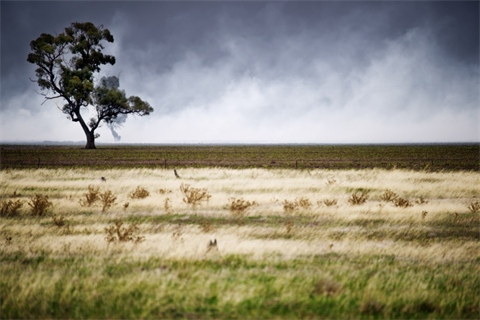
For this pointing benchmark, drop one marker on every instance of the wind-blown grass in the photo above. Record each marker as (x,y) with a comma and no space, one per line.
(341,261)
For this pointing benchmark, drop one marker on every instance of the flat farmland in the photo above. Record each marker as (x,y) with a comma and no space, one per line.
(433,157)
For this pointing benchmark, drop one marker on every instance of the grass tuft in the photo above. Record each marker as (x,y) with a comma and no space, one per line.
(194,196)
(402,203)
(117,233)
(139,193)
(39,204)
(474,207)
(389,195)
(357,199)
(108,200)
(239,206)
(91,197)
(10,208)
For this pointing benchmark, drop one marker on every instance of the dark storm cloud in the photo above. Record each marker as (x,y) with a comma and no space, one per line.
(258,61)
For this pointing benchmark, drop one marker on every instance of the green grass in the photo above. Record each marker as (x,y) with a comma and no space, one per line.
(238,287)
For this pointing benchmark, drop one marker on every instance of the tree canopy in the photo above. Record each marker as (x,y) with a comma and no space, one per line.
(67,64)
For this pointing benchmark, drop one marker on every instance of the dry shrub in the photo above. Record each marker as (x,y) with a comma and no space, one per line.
(177,236)
(194,196)
(125,206)
(59,221)
(357,199)
(164,191)
(474,207)
(389,195)
(108,199)
(39,204)
(166,205)
(327,202)
(327,287)
(402,203)
(289,226)
(289,206)
(303,202)
(91,196)
(207,226)
(10,208)
(421,200)
(117,233)
(139,193)
(239,206)
(424,214)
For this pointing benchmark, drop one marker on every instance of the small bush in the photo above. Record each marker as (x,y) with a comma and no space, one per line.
(239,206)
(327,202)
(91,197)
(139,193)
(289,226)
(357,199)
(117,233)
(474,207)
(303,202)
(389,195)
(421,200)
(289,206)
(166,205)
(194,196)
(108,199)
(59,221)
(39,204)
(207,226)
(402,203)
(10,208)
(165,191)
(125,205)
(424,214)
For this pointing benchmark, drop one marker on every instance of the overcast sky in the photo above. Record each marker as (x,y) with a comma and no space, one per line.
(262,72)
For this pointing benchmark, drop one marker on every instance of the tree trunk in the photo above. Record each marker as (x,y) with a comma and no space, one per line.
(90,141)
(89,133)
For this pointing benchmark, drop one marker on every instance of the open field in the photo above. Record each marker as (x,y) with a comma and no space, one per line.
(432,157)
(288,255)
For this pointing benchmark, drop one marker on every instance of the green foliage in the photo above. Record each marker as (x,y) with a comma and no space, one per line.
(72,78)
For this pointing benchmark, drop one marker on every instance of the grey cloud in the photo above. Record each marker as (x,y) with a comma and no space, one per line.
(271,66)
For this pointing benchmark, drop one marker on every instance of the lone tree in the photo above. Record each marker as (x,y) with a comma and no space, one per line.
(66,66)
